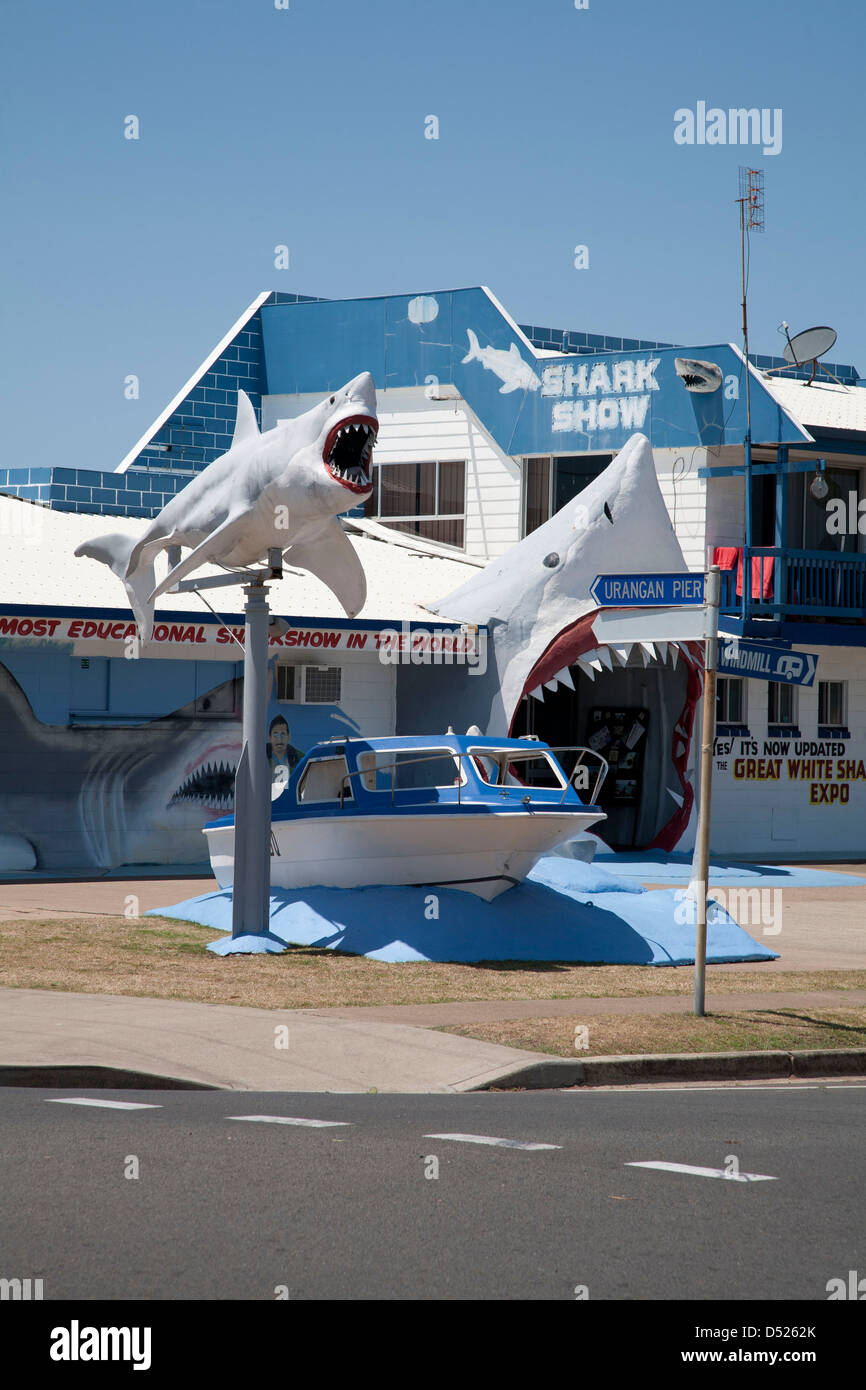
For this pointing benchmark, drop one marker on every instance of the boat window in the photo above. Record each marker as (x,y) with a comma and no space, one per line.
(322,779)
(504,766)
(410,769)
(487,768)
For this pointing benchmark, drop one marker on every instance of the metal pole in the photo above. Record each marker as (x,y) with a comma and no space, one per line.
(708,730)
(252,872)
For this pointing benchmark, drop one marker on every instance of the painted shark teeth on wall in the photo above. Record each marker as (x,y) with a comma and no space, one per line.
(213,784)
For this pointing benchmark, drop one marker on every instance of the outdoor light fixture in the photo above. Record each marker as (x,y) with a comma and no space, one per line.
(819,487)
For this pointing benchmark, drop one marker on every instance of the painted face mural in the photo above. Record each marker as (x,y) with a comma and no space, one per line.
(103,795)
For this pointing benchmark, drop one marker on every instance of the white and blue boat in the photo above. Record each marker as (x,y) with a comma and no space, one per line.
(448,810)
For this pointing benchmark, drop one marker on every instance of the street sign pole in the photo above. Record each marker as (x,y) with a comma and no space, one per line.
(708,732)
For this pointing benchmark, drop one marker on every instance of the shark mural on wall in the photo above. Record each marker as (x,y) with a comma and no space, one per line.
(536,603)
(282,489)
(100,796)
(513,371)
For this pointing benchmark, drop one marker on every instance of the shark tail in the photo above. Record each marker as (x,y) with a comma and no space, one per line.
(116,551)
(474,352)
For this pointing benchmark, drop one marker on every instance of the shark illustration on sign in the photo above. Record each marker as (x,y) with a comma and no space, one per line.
(514,373)
(281,489)
(702,377)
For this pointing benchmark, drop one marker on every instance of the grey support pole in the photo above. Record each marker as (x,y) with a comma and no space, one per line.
(708,732)
(252,874)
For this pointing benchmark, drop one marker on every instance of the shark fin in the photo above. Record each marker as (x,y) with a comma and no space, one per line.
(331,557)
(508,386)
(515,352)
(213,545)
(113,550)
(132,561)
(246,426)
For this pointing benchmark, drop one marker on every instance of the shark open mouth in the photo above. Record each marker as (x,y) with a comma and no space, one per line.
(212,785)
(577,646)
(347,452)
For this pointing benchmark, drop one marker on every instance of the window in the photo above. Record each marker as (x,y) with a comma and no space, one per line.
(323,685)
(832,703)
(842,483)
(425,499)
(414,768)
(551,482)
(505,767)
(309,685)
(730,700)
(322,779)
(286,683)
(781,704)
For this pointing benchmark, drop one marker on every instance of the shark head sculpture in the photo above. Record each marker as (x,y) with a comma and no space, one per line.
(283,488)
(535,601)
(533,596)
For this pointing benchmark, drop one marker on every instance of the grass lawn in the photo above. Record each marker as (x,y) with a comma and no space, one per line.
(749,1030)
(163,958)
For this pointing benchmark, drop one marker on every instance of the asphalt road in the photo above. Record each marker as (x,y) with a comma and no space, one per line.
(228,1208)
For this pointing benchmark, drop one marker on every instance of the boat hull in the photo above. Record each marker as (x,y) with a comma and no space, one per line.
(480,854)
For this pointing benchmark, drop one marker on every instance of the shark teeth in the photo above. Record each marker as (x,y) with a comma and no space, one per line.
(212,784)
(348,457)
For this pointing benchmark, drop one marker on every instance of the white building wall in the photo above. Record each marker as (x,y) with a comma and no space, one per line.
(760,814)
(685,496)
(368,687)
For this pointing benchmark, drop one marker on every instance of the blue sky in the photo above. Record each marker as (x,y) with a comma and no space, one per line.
(305,127)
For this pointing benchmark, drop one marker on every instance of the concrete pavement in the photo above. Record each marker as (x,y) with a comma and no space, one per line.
(240,1048)
(389,1047)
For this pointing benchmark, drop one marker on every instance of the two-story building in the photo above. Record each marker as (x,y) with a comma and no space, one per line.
(487,429)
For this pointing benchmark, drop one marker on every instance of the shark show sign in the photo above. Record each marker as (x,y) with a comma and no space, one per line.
(592,396)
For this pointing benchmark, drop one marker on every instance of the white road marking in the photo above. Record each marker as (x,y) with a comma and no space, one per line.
(104,1104)
(289,1120)
(704,1172)
(488,1139)
(687,1087)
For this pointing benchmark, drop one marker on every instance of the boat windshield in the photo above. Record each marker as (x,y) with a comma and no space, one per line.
(409,769)
(322,779)
(505,766)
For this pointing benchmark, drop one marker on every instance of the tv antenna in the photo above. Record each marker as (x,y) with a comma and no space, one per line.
(805,348)
(751,203)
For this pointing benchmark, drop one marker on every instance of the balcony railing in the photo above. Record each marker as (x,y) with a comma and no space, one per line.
(797,583)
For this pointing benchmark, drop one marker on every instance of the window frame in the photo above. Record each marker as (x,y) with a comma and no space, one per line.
(379,466)
(301,669)
(842,686)
(774,690)
(724,685)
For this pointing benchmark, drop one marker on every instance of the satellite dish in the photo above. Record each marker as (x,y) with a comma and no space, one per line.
(807,346)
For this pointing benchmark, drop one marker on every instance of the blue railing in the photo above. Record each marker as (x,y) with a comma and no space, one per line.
(813,583)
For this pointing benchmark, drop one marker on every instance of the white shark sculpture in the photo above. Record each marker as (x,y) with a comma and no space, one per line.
(535,600)
(514,373)
(284,488)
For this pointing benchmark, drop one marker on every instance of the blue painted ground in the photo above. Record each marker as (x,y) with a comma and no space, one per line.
(648,866)
(565,911)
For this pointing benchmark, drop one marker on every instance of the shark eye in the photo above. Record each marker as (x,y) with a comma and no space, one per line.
(333,398)
(551,560)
